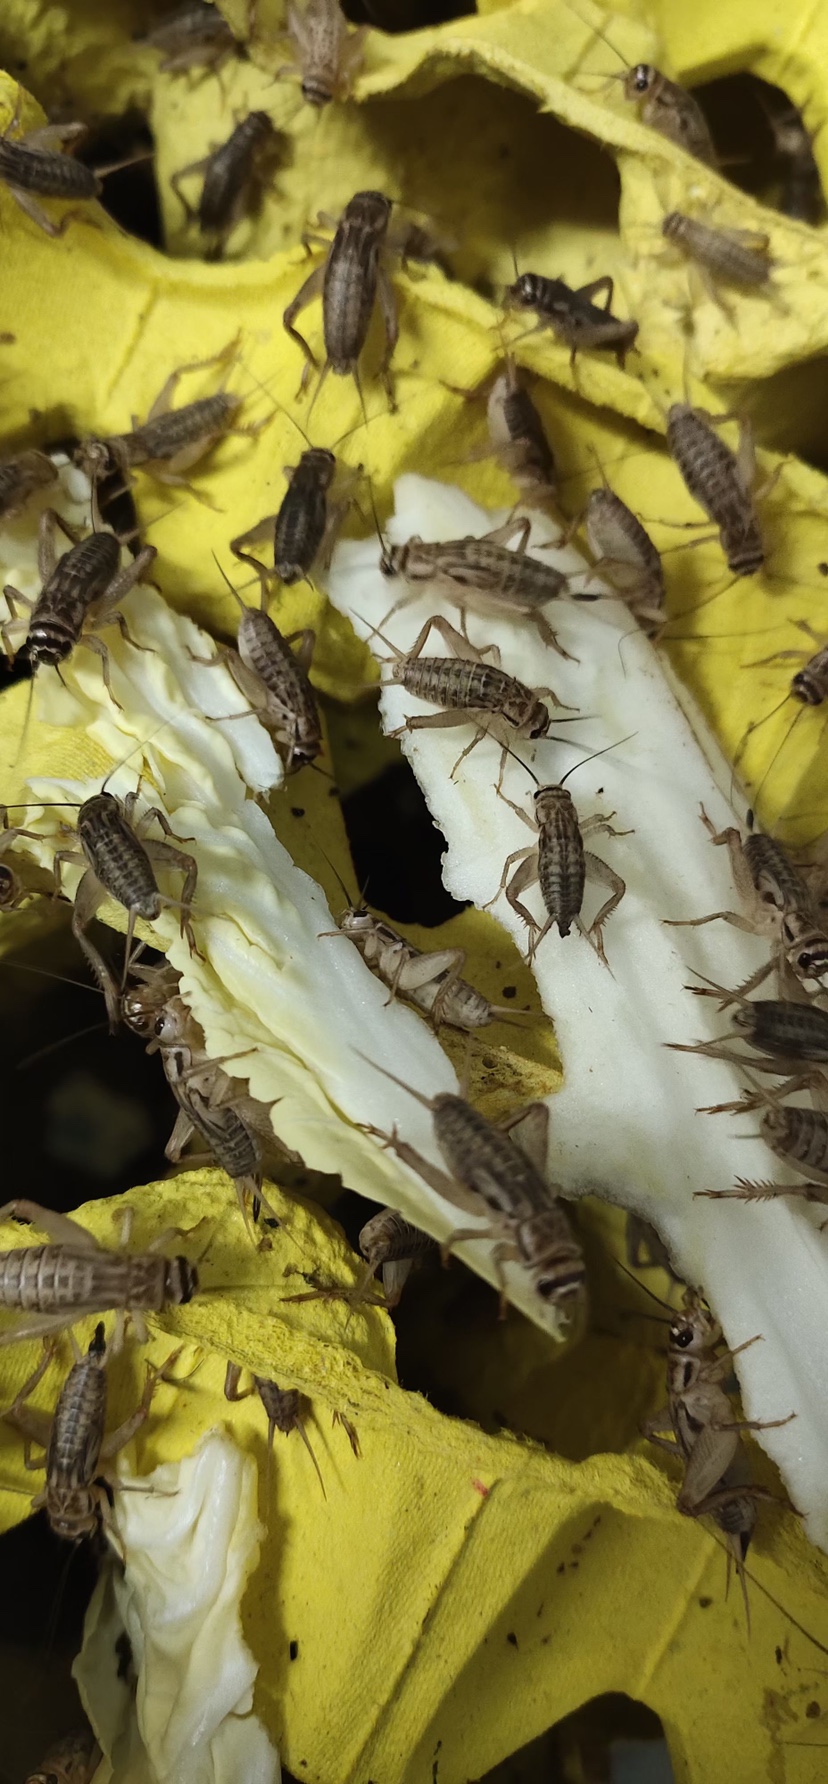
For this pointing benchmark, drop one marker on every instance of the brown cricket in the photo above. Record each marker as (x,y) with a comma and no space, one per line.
(393,1245)
(282,1406)
(194,36)
(305,528)
(74,1760)
(171,440)
(79,595)
(801,187)
(211,1103)
(75,1494)
(493,1172)
(467,689)
(73,1276)
(558,861)
(777,904)
(625,555)
(720,481)
(736,256)
(663,105)
(572,315)
(703,1430)
(808,687)
(235,174)
(35,167)
(482,574)
(274,680)
(119,864)
(349,281)
(519,440)
(19,479)
(668,108)
(430,980)
(328,54)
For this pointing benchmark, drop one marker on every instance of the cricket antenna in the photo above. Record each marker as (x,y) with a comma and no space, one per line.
(425,1100)
(647,1291)
(342,886)
(597,32)
(234,591)
(27,719)
(141,745)
(385,558)
(376,632)
(777,1605)
(777,752)
(596,754)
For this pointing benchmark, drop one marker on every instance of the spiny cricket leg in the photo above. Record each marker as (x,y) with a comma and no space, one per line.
(599,870)
(57,1227)
(183,174)
(525,876)
(312,288)
(123,1433)
(760,1097)
(89,896)
(448,1187)
(260,534)
(163,401)
(714,917)
(747,1191)
(232,1391)
(37,214)
(391,324)
(592,290)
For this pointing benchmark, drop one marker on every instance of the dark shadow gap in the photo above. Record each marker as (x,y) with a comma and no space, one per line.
(763,145)
(406,15)
(495,143)
(92,1111)
(47,1585)
(612,1739)
(130,196)
(397,850)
